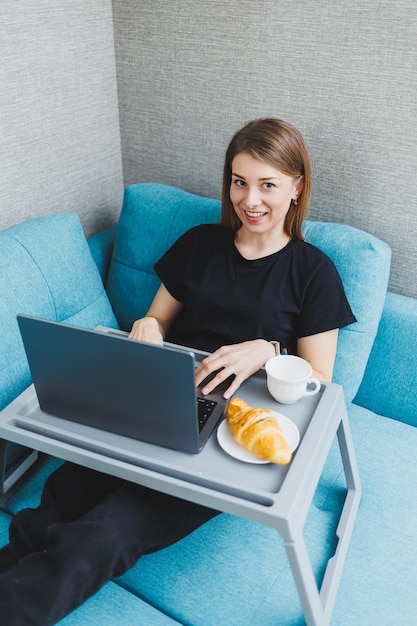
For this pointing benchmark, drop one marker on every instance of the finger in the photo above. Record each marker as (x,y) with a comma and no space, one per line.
(206,367)
(233,388)
(237,380)
(201,372)
(219,378)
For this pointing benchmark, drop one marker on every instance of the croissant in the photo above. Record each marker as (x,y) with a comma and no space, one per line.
(257,430)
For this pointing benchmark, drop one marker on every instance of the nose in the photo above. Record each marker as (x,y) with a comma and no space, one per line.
(253,198)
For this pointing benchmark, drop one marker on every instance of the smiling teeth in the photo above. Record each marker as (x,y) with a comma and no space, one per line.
(253,214)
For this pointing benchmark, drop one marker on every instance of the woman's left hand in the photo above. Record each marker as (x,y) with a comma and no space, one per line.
(241,360)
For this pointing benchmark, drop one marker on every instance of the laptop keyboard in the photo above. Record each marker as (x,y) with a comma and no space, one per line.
(205,408)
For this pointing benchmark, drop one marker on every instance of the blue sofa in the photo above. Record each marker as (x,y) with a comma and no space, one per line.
(232,571)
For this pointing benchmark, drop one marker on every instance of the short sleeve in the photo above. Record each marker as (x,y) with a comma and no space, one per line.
(325,306)
(171,268)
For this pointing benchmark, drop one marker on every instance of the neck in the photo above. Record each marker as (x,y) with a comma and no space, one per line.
(255,246)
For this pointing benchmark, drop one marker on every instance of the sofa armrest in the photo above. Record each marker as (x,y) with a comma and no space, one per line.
(389,384)
(47,271)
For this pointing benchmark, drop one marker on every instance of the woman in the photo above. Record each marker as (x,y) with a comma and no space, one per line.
(236,289)
(232,288)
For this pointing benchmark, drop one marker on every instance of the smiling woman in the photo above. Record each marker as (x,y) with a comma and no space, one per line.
(233,288)
(261,197)
(278,152)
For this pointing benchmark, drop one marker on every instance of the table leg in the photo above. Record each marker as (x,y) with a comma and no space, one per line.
(318,604)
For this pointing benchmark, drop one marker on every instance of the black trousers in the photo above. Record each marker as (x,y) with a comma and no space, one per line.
(88,528)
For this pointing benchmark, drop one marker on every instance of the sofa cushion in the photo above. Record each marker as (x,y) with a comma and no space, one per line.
(229,571)
(388,386)
(113,606)
(101,248)
(378,581)
(153,216)
(47,271)
(363,262)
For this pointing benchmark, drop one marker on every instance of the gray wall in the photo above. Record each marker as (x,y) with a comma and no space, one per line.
(191,73)
(59,126)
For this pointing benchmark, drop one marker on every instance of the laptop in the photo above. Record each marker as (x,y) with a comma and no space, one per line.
(103,379)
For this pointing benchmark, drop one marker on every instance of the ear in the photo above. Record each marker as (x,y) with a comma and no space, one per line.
(298,187)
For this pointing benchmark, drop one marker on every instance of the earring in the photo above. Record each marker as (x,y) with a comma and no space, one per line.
(295,201)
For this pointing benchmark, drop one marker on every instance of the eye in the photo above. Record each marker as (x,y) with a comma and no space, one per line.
(269,185)
(238,182)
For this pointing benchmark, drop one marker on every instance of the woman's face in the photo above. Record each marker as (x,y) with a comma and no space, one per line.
(261,195)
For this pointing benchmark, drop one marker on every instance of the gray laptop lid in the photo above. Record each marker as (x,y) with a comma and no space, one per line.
(110,382)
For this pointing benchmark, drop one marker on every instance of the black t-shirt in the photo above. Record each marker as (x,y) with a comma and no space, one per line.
(227,299)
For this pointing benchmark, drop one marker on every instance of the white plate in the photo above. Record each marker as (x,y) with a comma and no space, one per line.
(232,447)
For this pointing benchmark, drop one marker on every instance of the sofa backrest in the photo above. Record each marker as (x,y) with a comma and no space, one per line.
(389,384)
(363,262)
(154,216)
(47,271)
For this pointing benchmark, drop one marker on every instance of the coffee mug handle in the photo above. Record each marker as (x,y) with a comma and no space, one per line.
(317,385)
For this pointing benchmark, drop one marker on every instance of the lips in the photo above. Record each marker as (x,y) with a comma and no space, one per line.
(254,216)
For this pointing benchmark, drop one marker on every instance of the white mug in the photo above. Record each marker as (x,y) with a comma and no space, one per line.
(287,378)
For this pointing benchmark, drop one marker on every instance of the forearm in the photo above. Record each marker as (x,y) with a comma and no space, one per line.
(320,351)
(154,326)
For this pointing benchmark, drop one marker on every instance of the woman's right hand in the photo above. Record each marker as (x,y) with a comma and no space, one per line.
(153,327)
(147,329)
